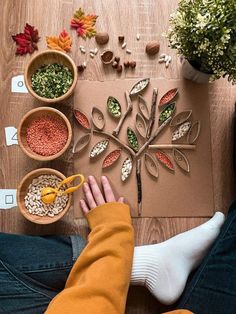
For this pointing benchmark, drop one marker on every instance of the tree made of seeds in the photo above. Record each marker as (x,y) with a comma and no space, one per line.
(144,123)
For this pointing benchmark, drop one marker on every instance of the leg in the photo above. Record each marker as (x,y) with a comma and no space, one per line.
(164,267)
(34,269)
(212,289)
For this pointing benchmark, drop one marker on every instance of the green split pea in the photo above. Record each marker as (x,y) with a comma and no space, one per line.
(52,80)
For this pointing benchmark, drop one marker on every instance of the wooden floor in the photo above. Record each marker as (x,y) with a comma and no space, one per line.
(150,19)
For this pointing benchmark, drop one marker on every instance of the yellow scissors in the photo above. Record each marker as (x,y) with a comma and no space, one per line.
(48,194)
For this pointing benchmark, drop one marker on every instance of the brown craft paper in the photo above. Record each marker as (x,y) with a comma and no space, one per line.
(175,194)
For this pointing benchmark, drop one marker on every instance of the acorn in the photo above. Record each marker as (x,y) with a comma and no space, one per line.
(152,48)
(115,64)
(117,59)
(102,38)
(132,64)
(119,68)
(126,64)
(121,38)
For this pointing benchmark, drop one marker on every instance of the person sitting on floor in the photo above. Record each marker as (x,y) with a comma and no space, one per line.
(60,274)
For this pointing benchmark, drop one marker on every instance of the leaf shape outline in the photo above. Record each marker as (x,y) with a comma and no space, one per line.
(181,160)
(194,132)
(128,162)
(181,131)
(168,111)
(98,148)
(168,97)
(111,158)
(81,143)
(113,104)
(140,125)
(143,107)
(151,165)
(98,118)
(132,139)
(82,119)
(139,86)
(180,118)
(164,160)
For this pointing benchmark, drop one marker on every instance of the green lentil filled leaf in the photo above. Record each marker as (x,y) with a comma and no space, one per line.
(52,80)
(113,107)
(166,113)
(132,139)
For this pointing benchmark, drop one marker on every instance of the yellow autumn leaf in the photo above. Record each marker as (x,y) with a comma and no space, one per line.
(61,43)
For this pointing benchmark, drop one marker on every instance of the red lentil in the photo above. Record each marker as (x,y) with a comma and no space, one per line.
(111,158)
(47,135)
(168,97)
(82,119)
(164,159)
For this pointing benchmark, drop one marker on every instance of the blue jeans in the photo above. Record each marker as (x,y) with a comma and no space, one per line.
(34,269)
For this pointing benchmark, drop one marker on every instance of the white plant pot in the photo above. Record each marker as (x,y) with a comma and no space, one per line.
(190,73)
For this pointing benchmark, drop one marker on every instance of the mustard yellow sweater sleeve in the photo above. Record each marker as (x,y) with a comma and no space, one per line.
(99,280)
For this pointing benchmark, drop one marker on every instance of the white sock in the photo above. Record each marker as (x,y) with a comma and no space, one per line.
(164,267)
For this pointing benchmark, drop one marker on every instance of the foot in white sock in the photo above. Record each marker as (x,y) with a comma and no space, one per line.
(164,267)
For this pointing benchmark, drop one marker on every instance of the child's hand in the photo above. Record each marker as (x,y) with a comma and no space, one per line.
(93,195)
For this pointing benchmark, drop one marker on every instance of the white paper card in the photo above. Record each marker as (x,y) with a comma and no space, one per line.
(18,84)
(11,135)
(7,198)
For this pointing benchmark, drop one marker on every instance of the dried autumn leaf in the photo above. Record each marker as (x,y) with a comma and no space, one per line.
(111,158)
(82,119)
(61,43)
(164,160)
(84,24)
(26,41)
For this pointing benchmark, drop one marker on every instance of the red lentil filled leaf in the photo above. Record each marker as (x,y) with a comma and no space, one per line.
(164,160)
(26,42)
(111,158)
(82,119)
(84,24)
(168,97)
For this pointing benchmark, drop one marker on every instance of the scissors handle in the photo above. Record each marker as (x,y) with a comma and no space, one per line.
(69,180)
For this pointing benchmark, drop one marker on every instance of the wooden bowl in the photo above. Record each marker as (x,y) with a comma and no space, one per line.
(23,189)
(28,118)
(48,57)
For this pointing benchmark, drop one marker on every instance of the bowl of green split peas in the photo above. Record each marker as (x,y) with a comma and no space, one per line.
(51,76)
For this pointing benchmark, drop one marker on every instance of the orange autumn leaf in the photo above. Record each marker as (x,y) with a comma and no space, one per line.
(61,43)
(84,24)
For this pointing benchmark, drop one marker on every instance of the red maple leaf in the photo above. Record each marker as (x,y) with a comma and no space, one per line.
(27,41)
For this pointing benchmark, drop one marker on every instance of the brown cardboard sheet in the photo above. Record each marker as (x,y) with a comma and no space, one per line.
(173,194)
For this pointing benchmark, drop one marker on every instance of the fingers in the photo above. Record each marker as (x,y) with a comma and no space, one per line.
(97,194)
(121,200)
(108,193)
(84,207)
(89,196)
(93,195)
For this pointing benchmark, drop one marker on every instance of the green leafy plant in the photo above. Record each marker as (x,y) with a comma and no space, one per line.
(204,32)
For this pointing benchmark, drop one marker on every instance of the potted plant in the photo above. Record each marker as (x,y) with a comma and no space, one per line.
(204,33)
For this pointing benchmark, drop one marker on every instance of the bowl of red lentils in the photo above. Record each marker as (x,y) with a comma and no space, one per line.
(51,76)
(29,196)
(44,133)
